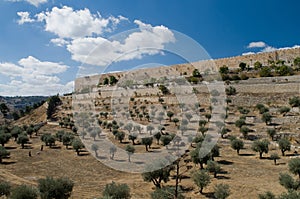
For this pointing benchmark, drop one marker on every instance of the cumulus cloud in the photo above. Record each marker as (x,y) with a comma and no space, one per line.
(24,18)
(59,42)
(147,40)
(33,77)
(68,23)
(36,3)
(266,48)
(257,44)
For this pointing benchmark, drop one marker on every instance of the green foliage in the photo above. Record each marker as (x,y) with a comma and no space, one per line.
(112,80)
(4,109)
(244,130)
(116,191)
(53,102)
(196,73)
(288,182)
(166,192)
(284,109)
(284,70)
(224,70)
(295,101)
(164,89)
(158,176)
(237,145)
(265,72)
(294,166)
(230,91)
(95,148)
(201,179)
(257,65)
(22,139)
(240,122)
(147,141)
(222,191)
(48,139)
(24,192)
(261,146)
(213,167)
(132,137)
(297,62)
(105,81)
(290,195)
(59,135)
(267,195)
(170,114)
(67,139)
(77,145)
(4,137)
(275,157)
(271,133)
(120,136)
(3,153)
(284,145)
(242,66)
(5,188)
(266,117)
(60,188)
(130,150)
(202,122)
(166,139)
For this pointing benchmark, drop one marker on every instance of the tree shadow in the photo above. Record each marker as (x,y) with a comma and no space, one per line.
(55,147)
(225,162)
(246,154)
(83,154)
(223,177)
(120,160)
(28,147)
(8,163)
(138,162)
(10,147)
(209,195)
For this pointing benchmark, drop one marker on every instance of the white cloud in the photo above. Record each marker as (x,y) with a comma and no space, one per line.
(258,44)
(148,40)
(36,3)
(269,49)
(248,53)
(33,77)
(68,23)
(24,18)
(59,42)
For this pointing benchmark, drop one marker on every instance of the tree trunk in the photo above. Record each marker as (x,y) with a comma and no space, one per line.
(275,161)
(78,151)
(238,151)
(282,152)
(260,155)
(146,147)
(177,177)
(0,159)
(201,190)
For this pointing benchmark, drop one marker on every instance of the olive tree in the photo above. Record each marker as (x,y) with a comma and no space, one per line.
(50,188)
(147,141)
(294,166)
(213,167)
(3,153)
(130,150)
(274,157)
(201,179)
(261,146)
(284,145)
(157,176)
(5,188)
(237,145)
(77,145)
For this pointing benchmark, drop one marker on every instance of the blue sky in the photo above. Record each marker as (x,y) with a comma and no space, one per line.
(45,44)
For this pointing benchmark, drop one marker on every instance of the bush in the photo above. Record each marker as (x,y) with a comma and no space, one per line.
(4,188)
(287,181)
(265,72)
(24,192)
(166,193)
(267,195)
(201,179)
(116,191)
(213,167)
(237,145)
(221,191)
(294,166)
(230,91)
(55,188)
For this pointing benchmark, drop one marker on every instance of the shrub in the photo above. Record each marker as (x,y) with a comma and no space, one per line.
(294,166)
(24,192)
(4,188)
(116,191)
(221,191)
(201,179)
(55,188)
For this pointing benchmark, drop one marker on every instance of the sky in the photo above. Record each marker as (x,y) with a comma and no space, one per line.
(46,44)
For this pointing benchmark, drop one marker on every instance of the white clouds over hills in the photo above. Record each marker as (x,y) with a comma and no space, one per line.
(32,76)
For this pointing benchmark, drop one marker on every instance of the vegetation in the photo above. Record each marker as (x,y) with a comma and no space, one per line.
(237,145)
(5,188)
(222,191)
(116,191)
(201,179)
(284,145)
(24,192)
(55,188)
(157,176)
(261,146)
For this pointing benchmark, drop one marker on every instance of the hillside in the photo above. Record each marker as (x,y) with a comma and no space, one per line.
(177,109)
